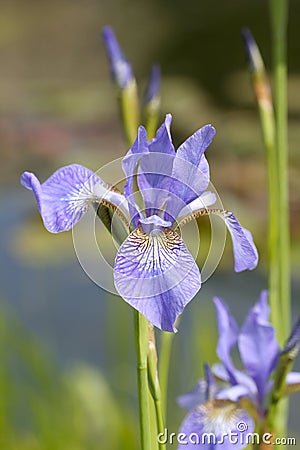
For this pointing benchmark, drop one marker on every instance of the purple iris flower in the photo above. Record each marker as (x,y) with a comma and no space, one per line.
(120,68)
(153,90)
(154,271)
(212,423)
(259,353)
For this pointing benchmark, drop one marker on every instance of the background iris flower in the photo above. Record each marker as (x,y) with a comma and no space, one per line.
(227,388)
(120,68)
(259,352)
(212,423)
(154,271)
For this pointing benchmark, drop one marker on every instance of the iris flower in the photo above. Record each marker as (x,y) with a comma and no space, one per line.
(259,352)
(227,388)
(120,67)
(154,271)
(212,423)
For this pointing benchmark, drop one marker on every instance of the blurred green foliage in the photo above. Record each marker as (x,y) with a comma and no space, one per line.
(57,106)
(57,102)
(44,409)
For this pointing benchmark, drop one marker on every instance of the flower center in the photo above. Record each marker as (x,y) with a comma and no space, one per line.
(154,225)
(219,416)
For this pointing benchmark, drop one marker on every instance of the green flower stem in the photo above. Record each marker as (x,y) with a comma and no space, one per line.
(166,340)
(131,118)
(279,13)
(144,335)
(152,113)
(154,385)
(279,388)
(268,127)
(141,340)
(130,111)
(159,420)
(263,95)
(274,421)
(275,140)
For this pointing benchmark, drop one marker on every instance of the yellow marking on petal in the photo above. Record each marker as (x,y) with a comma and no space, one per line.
(219,416)
(113,207)
(201,212)
(154,248)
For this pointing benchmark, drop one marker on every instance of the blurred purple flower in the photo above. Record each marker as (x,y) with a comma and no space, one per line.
(260,354)
(252,52)
(258,348)
(154,271)
(212,423)
(121,70)
(153,88)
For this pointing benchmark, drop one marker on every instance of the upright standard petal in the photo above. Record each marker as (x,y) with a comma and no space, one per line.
(191,171)
(228,335)
(190,174)
(244,250)
(202,202)
(192,150)
(258,346)
(154,174)
(156,274)
(162,143)
(66,195)
(216,424)
(129,165)
(261,308)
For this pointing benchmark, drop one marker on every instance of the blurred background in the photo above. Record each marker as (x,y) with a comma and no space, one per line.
(67,373)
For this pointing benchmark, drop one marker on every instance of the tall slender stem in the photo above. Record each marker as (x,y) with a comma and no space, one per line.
(141,340)
(122,75)
(275,140)
(263,95)
(159,420)
(130,111)
(166,340)
(154,384)
(279,14)
(273,232)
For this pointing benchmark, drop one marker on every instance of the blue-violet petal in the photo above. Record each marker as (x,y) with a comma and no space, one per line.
(66,195)
(157,275)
